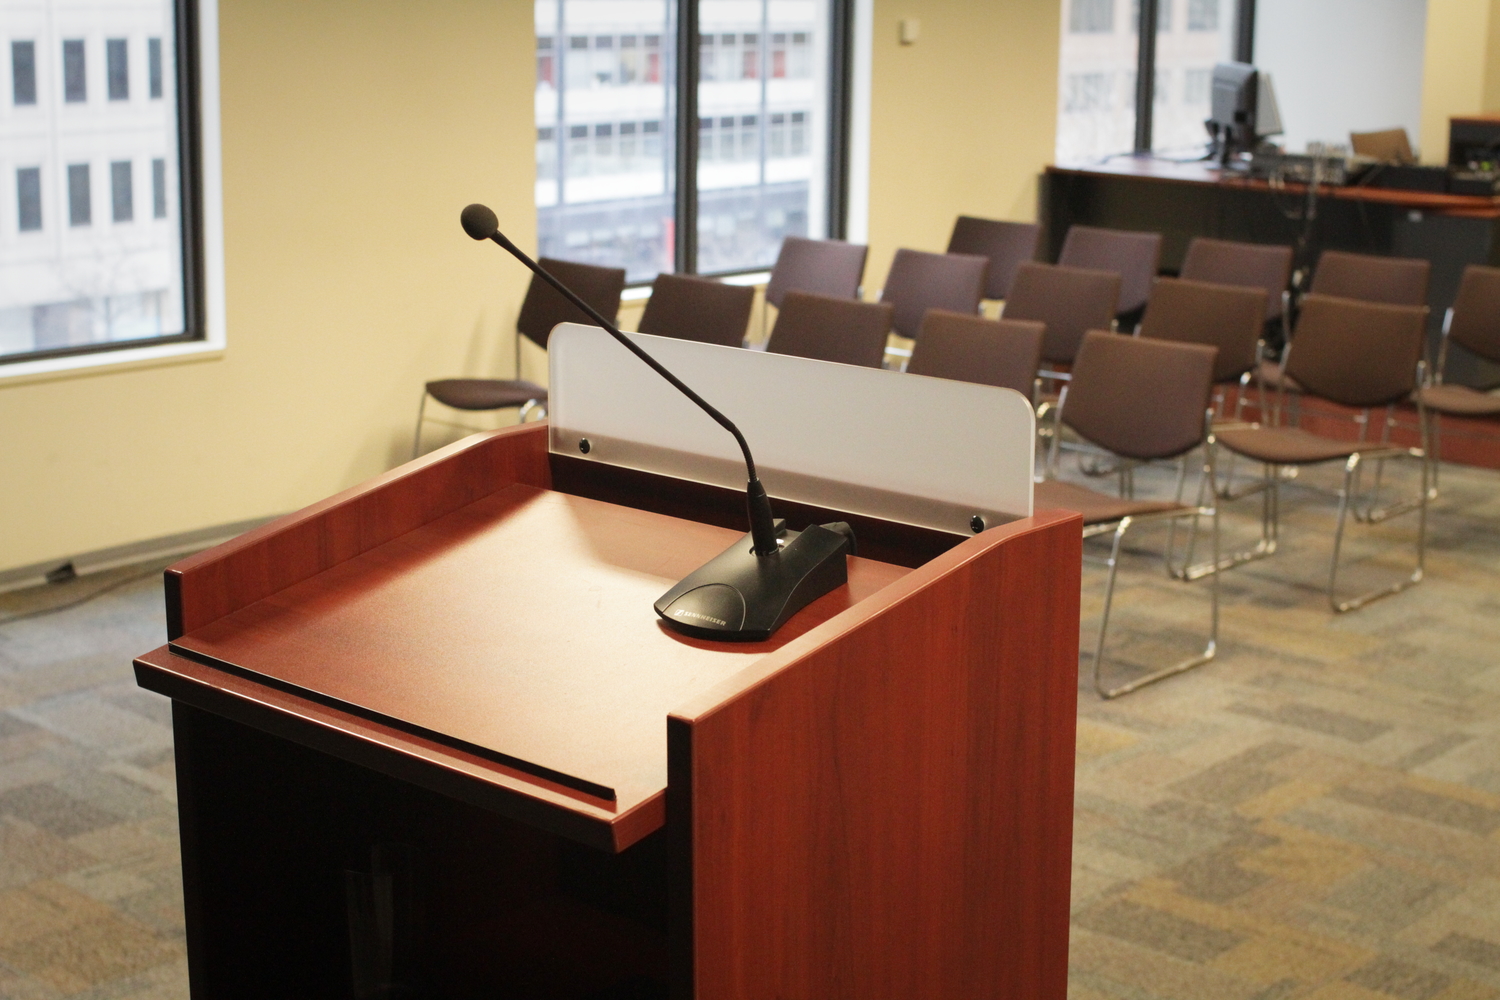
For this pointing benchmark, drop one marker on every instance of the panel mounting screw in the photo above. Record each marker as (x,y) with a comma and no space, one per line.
(584,446)
(976,523)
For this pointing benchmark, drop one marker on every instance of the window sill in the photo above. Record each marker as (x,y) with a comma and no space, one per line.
(108,362)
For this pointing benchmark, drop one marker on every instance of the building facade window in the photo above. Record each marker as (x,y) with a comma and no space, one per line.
(153,67)
(122,191)
(75,77)
(1203,15)
(1091,17)
(117,69)
(80,198)
(29,199)
(95,286)
(23,72)
(158,188)
(761,149)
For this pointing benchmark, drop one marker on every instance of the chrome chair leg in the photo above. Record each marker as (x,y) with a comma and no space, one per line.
(1346,503)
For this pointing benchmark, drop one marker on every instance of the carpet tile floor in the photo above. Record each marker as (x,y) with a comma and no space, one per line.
(1315,814)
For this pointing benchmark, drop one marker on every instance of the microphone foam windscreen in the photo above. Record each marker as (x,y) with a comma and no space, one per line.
(479,222)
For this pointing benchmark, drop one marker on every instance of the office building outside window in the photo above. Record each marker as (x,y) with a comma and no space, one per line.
(607,132)
(1098,65)
(79,273)
(1096,85)
(1185,56)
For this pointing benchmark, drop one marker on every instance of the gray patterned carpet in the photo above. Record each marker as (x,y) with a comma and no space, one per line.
(1316,814)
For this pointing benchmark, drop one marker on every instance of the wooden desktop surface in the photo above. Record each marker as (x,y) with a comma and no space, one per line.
(517,630)
(1200,172)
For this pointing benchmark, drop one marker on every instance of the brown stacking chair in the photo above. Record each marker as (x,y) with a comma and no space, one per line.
(1008,245)
(1253,265)
(1472,322)
(1356,354)
(826,328)
(1400,281)
(1390,145)
(823,267)
(919,281)
(1143,400)
(1001,352)
(1069,301)
(1133,256)
(701,309)
(543,309)
(1228,317)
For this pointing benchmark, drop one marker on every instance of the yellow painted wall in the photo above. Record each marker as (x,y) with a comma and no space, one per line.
(353,133)
(961,122)
(1461,68)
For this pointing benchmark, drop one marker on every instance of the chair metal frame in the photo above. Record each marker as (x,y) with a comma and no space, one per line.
(1348,498)
(1119,528)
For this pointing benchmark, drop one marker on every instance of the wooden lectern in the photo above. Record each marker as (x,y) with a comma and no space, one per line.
(432,741)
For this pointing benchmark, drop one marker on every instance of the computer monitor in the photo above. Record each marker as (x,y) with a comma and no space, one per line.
(1243,109)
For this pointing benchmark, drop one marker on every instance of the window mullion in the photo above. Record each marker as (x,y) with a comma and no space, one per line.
(685,247)
(1145,73)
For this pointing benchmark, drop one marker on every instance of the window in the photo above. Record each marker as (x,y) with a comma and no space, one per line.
(75,83)
(1096,121)
(121,265)
(153,67)
(117,68)
(610,162)
(121,191)
(80,203)
(29,199)
(23,72)
(158,189)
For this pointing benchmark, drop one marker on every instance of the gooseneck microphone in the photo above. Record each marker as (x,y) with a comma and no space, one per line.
(746,592)
(480,222)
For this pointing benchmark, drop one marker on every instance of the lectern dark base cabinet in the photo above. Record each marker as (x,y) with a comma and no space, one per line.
(431,742)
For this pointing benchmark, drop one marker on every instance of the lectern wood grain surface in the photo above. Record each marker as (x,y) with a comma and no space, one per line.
(459,658)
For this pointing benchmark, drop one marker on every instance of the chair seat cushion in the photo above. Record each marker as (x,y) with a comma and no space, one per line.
(1286,445)
(485,393)
(1459,401)
(1096,508)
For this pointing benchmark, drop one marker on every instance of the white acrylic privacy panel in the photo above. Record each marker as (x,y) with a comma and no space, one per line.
(923,451)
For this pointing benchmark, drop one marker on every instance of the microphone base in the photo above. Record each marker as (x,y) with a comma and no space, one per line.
(739,596)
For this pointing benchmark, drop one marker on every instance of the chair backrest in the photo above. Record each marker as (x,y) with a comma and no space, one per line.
(544,307)
(1134,256)
(1003,352)
(1400,281)
(1357,353)
(1144,399)
(1008,245)
(1476,311)
(1070,301)
(827,328)
(701,309)
(1228,317)
(824,267)
(1391,145)
(1229,262)
(919,281)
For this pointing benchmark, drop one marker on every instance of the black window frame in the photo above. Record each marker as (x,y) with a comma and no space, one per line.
(1145,73)
(187,76)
